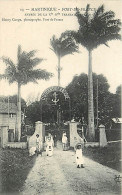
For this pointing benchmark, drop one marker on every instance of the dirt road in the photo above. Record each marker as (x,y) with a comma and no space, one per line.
(58,175)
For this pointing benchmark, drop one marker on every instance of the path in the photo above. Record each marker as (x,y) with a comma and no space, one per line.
(58,175)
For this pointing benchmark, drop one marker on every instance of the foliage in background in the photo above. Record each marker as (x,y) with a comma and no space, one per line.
(109,104)
(13,99)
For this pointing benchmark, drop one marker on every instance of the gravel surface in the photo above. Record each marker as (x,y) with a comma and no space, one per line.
(58,175)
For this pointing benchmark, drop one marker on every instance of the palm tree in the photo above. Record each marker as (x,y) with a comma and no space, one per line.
(63,46)
(94,30)
(22,73)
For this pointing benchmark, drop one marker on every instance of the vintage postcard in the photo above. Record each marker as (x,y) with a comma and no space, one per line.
(60,97)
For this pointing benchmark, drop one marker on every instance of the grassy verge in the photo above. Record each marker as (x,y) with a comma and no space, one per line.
(109,156)
(15,166)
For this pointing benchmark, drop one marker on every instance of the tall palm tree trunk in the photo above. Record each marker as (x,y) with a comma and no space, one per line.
(91,132)
(19,113)
(59,70)
(58,85)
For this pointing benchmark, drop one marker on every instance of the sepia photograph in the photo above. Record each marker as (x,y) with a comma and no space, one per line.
(60,97)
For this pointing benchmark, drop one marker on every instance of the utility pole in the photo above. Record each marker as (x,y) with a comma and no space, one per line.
(97,102)
(8,117)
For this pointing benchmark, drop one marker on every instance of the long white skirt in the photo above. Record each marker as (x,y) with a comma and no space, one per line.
(49,150)
(79,157)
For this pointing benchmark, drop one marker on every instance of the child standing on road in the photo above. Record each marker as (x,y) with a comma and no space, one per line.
(79,156)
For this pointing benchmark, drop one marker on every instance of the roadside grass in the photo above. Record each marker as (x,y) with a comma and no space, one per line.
(109,156)
(15,166)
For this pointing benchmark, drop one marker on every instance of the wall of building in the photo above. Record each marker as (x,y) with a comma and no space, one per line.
(5,121)
(11,121)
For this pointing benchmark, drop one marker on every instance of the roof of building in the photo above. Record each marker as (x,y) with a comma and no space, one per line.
(117,120)
(5,108)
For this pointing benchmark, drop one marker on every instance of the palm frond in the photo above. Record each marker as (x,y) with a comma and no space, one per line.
(2,76)
(52,49)
(26,62)
(10,71)
(23,72)
(55,44)
(68,44)
(107,15)
(8,61)
(98,29)
(64,45)
(11,75)
(31,53)
(82,20)
(99,11)
(86,14)
(34,62)
(34,75)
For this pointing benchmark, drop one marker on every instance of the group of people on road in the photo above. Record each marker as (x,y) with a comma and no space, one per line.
(51,141)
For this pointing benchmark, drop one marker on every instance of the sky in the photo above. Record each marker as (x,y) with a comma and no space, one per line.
(36,35)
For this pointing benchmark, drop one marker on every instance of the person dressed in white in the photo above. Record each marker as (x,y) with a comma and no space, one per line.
(78,140)
(38,145)
(49,146)
(79,156)
(64,141)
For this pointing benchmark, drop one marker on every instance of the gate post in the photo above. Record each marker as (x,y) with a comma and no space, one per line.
(39,129)
(73,130)
(74,136)
(4,137)
(102,136)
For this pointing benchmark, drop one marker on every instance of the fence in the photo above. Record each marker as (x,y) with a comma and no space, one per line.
(21,145)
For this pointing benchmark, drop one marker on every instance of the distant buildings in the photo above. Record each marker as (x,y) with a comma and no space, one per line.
(116,123)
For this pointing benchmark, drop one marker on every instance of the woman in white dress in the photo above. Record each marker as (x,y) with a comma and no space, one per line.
(49,146)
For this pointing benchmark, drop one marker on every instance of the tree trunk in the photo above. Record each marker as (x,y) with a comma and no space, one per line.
(91,131)
(18,130)
(59,70)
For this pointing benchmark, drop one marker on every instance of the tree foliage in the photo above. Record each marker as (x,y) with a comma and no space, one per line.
(33,112)
(47,109)
(23,71)
(108,103)
(97,28)
(64,45)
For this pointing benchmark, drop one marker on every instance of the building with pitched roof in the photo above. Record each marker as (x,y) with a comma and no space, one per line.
(8,112)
